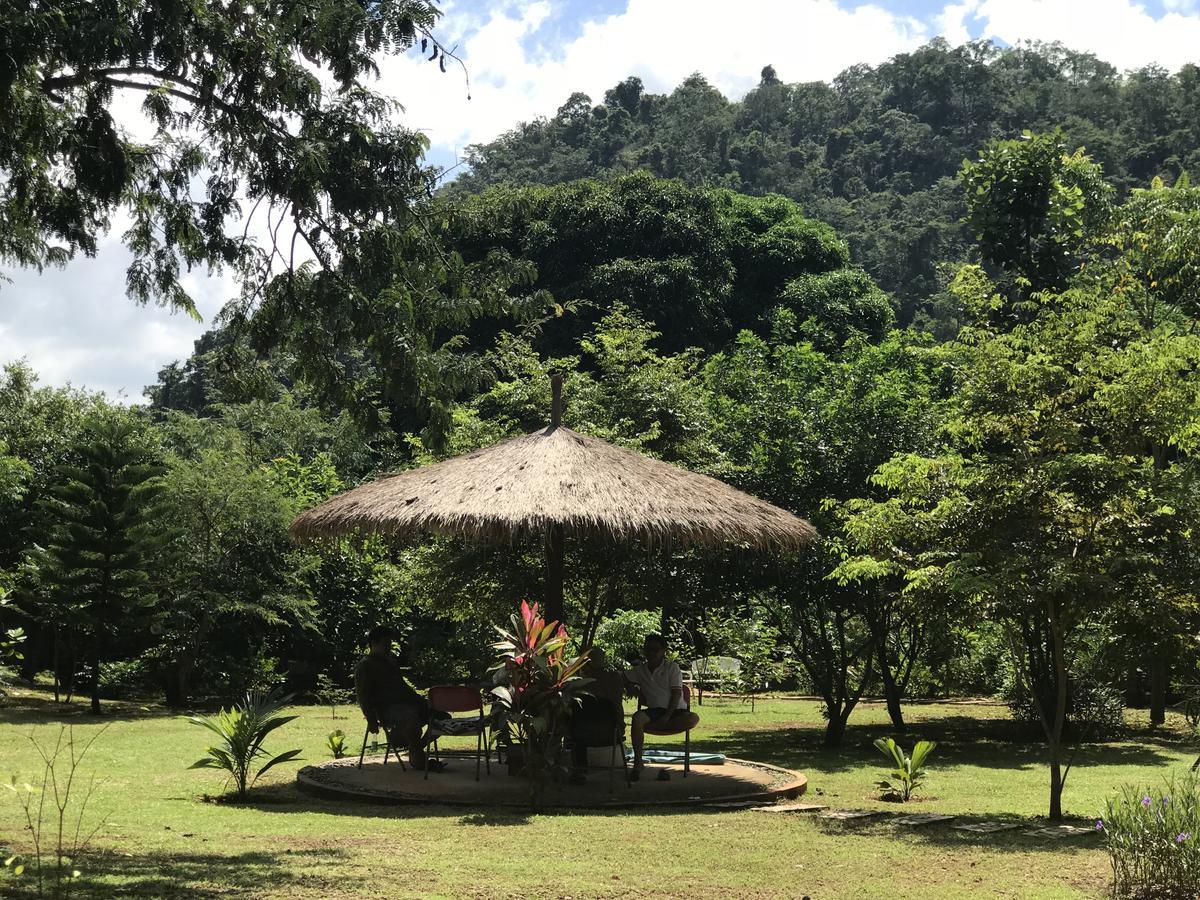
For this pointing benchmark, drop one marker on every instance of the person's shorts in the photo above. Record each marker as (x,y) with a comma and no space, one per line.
(656,713)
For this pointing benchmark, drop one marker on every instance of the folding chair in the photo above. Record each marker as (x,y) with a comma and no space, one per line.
(387,748)
(616,742)
(680,723)
(452,698)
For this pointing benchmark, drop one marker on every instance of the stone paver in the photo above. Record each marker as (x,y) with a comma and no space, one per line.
(792,808)
(923,819)
(850,815)
(987,827)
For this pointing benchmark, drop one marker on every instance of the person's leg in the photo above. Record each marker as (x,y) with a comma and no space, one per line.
(406,724)
(637,736)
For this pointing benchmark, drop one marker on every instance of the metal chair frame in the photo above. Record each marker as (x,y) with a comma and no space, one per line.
(687,732)
(451,698)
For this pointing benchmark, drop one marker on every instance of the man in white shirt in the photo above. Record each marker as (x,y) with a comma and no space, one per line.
(660,685)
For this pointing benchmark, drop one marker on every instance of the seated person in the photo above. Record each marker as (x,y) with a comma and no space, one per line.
(660,685)
(386,699)
(599,718)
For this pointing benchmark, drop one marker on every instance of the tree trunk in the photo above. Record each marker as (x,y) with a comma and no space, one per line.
(891,691)
(1055,737)
(185,665)
(835,728)
(1158,685)
(96,677)
(1056,782)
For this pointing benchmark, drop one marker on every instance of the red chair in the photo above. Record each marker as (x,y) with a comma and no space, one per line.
(452,698)
(680,723)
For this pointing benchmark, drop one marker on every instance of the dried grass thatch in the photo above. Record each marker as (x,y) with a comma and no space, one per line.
(593,489)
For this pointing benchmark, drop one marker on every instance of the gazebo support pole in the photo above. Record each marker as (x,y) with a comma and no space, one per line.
(554,573)
(554,533)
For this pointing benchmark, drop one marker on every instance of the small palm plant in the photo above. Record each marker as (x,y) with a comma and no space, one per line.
(242,730)
(909,771)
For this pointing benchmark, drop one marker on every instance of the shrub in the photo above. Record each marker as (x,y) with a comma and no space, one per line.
(122,679)
(621,635)
(242,730)
(536,687)
(1153,839)
(909,771)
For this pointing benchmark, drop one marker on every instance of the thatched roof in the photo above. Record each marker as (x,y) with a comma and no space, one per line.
(518,487)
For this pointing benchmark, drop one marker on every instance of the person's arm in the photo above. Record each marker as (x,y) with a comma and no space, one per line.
(362,691)
(633,687)
(673,703)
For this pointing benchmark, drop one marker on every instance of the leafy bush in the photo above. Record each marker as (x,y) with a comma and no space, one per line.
(126,678)
(1095,706)
(909,771)
(242,730)
(536,684)
(10,644)
(621,635)
(1153,840)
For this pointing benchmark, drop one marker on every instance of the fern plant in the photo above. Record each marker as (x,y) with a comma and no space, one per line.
(909,771)
(242,730)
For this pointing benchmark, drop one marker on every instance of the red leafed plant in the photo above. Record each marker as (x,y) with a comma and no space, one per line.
(534,688)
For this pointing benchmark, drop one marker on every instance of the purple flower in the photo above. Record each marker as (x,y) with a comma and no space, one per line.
(1099,824)
(1182,836)
(1166,800)
(1146,802)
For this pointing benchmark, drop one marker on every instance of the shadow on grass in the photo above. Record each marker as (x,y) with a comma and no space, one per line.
(993,743)
(945,836)
(204,875)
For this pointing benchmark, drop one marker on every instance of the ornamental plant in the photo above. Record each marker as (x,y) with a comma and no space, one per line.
(534,692)
(1152,838)
(909,771)
(242,729)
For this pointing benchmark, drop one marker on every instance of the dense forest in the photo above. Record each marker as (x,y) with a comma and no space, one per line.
(905,305)
(874,153)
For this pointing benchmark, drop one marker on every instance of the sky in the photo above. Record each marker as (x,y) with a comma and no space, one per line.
(76,326)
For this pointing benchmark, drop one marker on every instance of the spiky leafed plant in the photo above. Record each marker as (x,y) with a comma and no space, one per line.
(242,730)
(535,684)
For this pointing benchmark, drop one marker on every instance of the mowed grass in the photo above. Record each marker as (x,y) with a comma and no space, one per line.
(163,838)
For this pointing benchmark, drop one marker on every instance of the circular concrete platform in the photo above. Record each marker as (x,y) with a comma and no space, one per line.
(735,780)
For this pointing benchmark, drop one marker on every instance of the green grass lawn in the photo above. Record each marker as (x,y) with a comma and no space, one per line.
(162,837)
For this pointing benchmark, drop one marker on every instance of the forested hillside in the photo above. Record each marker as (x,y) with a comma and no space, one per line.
(874,153)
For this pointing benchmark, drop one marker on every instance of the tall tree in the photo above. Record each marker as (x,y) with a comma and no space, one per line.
(238,115)
(102,531)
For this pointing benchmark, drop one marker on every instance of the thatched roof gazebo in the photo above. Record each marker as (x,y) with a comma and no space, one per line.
(552,484)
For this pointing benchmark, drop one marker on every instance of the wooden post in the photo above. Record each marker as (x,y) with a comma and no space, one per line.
(554,532)
(554,573)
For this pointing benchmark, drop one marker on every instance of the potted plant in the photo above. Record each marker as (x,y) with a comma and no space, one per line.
(534,688)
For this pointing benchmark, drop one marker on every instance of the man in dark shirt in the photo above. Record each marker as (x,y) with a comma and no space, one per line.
(386,699)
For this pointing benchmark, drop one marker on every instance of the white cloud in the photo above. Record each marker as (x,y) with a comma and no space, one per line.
(77,326)
(951,22)
(1121,32)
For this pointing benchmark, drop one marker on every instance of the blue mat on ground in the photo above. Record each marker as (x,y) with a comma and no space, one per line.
(676,756)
